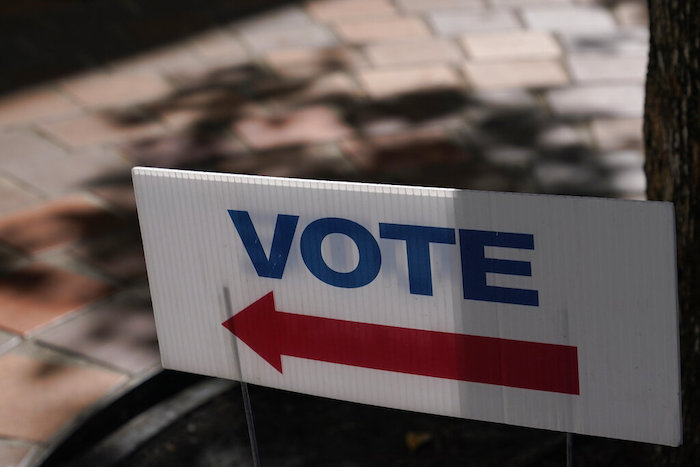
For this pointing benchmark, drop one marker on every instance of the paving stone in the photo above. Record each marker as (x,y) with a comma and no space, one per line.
(37,398)
(590,68)
(178,150)
(634,42)
(519,3)
(504,98)
(327,86)
(278,18)
(456,22)
(38,294)
(121,256)
(414,119)
(119,89)
(18,145)
(14,197)
(414,6)
(515,74)
(7,342)
(391,82)
(569,19)
(628,183)
(121,333)
(267,39)
(414,150)
(35,105)
(309,125)
(321,161)
(509,157)
(624,133)
(13,452)
(219,47)
(621,160)
(308,62)
(55,176)
(167,60)
(381,29)
(603,100)
(95,129)
(559,136)
(631,13)
(54,224)
(511,45)
(334,10)
(118,195)
(414,52)
(567,177)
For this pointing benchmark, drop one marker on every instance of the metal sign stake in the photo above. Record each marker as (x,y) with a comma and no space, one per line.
(246,396)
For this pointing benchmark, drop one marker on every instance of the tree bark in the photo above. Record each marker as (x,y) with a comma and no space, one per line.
(672,144)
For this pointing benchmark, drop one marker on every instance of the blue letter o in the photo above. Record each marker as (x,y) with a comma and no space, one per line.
(370,256)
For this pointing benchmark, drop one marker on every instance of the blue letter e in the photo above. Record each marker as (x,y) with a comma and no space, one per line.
(272,267)
(475,266)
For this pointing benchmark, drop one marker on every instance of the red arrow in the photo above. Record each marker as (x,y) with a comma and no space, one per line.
(520,364)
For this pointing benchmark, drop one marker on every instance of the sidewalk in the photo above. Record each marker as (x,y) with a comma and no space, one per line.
(512,95)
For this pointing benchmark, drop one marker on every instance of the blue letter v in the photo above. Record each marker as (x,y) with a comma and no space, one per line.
(273,266)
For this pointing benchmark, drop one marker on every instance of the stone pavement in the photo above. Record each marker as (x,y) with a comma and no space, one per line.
(514,95)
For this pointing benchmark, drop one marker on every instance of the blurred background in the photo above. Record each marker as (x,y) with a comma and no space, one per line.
(540,96)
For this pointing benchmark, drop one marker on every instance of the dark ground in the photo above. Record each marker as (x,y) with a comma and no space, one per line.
(295,430)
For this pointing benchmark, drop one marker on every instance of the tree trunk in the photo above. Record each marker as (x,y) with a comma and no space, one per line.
(672,140)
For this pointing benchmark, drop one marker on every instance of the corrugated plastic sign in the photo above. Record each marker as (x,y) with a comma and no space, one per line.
(543,311)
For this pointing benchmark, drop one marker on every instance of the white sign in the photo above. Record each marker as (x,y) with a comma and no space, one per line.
(542,311)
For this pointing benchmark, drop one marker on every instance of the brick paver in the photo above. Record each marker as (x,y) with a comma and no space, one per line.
(266,39)
(14,196)
(456,22)
(515,74)
(120,257)
(65,174)
(432,5)
(95,129)
(518,3)
(414,52)
(620,133)
(391,82)
(55,224)
(381,29)
(304,62)
(592,68)
(102,90)
(335,10)
(294,162)
(404,151)
(219,47)
(12,452)
(167,60)
(38,294)
(8,340)
(121,333)
(328,86)
(511,45)
(17,146)
(31,106)
(569,19)
(305,126)
(631,13)
(621,42)
(607,100)
(37,397)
